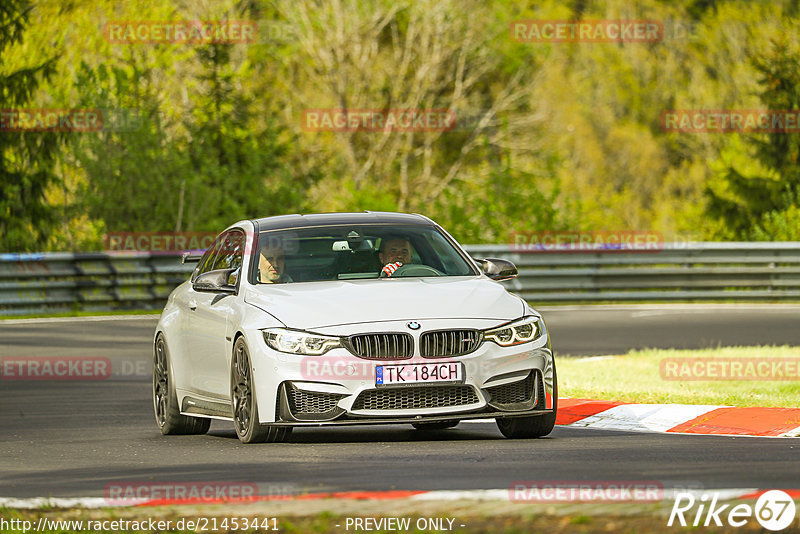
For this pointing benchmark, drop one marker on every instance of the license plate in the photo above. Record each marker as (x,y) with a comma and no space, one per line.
(419,373)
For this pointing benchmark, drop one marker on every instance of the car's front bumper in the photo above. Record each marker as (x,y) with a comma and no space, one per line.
(339,388)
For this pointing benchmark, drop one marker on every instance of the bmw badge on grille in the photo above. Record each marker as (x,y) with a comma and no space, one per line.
(413,325)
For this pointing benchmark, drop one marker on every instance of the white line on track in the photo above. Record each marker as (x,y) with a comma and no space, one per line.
(507,494)
(38,502)
(643,417)
(439,495)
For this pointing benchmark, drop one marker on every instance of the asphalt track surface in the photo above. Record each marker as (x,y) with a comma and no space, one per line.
(73,438)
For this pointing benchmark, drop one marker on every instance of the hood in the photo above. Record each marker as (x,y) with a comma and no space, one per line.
(313,305)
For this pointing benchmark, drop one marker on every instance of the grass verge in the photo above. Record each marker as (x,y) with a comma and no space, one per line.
(671,377)
(79,313)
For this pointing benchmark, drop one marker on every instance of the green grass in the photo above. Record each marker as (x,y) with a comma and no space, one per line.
(80,313)
(637,377)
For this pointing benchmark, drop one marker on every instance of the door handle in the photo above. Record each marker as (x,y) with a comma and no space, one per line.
(193,305)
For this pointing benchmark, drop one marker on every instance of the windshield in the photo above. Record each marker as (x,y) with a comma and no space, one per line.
(351,252)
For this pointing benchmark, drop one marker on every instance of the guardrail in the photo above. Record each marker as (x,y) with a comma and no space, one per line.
(765,271)
(57,282)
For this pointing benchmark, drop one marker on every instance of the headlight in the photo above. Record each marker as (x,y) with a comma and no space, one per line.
(296,342)
(522,331)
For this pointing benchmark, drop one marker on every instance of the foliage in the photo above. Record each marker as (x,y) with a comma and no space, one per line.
(27,159)
(764,205)
(547,135)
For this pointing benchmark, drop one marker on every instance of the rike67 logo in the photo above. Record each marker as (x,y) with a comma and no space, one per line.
(774,510)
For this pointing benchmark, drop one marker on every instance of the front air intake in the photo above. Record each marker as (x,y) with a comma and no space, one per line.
(416,398)
(519,395)
(304,405)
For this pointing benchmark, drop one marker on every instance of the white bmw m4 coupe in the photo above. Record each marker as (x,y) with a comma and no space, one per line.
(346,319)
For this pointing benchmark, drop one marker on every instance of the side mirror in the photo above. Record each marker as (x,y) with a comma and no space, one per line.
(216,281)
(191,256)
(498,269)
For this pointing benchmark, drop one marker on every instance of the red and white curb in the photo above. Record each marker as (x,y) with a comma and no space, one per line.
(500,495)
(680,418)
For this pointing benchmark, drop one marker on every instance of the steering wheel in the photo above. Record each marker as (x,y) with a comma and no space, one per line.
(414,269)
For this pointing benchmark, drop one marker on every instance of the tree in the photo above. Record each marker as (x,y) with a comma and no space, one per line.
(193,168)
(387,56)
(236,159)
(764,205)
(134,169)
(27,158)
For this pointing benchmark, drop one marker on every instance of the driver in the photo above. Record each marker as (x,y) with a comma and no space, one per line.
(394,253)
(271,266)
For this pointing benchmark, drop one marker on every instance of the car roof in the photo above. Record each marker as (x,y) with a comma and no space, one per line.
(330,219)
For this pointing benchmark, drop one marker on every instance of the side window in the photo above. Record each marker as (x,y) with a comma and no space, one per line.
(230,254)
(231,251)
(206,263)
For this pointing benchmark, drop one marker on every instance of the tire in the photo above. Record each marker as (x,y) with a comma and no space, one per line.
(438,425)
(531,427)
(243,402)
(165,402)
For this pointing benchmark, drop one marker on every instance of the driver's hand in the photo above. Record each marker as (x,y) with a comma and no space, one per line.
(390,268)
